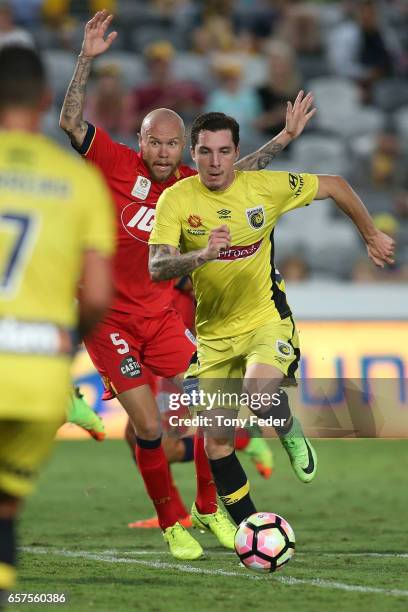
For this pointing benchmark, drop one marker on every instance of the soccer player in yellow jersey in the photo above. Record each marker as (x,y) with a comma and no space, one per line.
(218,227)
(50,238)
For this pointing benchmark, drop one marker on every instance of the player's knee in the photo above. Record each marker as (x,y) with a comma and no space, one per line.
(149,430)
(217,448)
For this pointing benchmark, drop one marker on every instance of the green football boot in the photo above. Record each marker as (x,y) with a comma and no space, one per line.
(218,523)
(260,454)
(301,453)
(80,413)
(181,544)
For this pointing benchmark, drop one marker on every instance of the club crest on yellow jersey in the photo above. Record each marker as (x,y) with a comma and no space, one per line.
(284,349)
(256,217)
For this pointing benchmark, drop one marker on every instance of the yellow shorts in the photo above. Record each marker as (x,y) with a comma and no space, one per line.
(275,343)
(34,399)
(226,360)
(24,445)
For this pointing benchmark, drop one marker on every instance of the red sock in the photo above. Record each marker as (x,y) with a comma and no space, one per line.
(242,439)
(206,500)
(153,466)
(175,496)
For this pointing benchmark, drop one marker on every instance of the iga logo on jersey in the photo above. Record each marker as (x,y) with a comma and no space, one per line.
(138,220)
(256,217)
(141,188)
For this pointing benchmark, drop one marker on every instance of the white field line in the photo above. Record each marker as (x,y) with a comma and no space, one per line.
(190,569)
(224,553)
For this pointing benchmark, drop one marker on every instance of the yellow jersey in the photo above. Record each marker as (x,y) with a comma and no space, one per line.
(52,208)
(238,291)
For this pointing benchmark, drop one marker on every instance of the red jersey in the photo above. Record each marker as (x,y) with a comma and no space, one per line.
(135,195)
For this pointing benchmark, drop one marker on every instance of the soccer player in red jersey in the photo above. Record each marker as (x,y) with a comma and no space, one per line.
(142,331)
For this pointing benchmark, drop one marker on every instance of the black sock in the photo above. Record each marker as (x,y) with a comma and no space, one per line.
(7,553)
(281,411)
(188,444)
(232,487)
(148,443)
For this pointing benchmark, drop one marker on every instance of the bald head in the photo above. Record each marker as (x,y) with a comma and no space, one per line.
(161,140)
(162,118)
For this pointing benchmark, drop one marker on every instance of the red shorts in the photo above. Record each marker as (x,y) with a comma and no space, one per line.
(126,349)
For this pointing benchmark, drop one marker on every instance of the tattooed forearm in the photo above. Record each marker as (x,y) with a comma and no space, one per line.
(165,262)
(71,120)
(261,158)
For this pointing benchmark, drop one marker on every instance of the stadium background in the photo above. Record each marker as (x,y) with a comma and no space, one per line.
(350,524)
(248,57)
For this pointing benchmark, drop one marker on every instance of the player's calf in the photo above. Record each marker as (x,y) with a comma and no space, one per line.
(229,476)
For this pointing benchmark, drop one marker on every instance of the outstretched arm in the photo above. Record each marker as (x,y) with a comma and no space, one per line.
(71,118)
(297,116)
(380,247)
(166,262)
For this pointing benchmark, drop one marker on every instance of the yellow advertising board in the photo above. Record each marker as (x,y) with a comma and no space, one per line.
(348,370)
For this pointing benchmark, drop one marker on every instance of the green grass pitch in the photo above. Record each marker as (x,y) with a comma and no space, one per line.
(350,525)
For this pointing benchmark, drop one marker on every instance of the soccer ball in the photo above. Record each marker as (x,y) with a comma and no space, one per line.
(264,542)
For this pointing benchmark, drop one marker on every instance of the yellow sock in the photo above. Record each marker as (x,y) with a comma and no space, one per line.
(7,576)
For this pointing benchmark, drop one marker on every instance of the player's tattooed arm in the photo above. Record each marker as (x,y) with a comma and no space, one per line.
(166,262)
(262,157)
(94,43)
(71,119)
(297,116)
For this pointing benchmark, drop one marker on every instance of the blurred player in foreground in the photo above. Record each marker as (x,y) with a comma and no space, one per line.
(244,325)
(142,331)
(50,238)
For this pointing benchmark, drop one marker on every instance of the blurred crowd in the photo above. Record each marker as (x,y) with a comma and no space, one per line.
(247,58)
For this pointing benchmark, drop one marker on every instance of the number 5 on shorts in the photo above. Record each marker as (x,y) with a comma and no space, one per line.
(118,341)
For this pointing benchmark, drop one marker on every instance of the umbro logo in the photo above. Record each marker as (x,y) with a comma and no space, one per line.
(224,213)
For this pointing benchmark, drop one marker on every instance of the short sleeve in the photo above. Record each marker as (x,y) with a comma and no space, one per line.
(167,226)
(97,221)
(290,190)
(99,148)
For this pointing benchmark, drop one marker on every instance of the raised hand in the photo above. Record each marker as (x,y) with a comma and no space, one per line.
(380,249)
(299,114)
(95,42)
(219,238)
